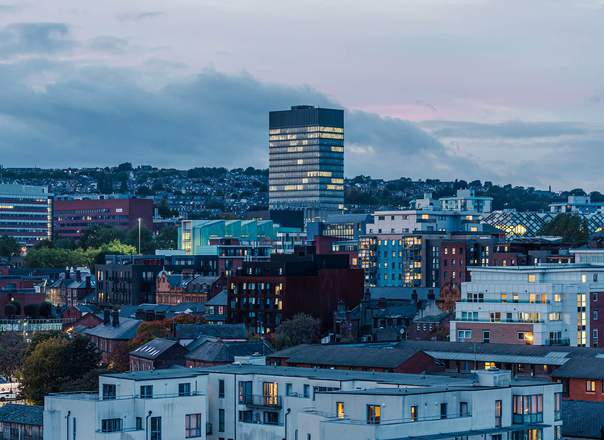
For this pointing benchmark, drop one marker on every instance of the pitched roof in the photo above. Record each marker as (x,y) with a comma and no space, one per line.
(225,331)
(125,331)
(582,419)
(384,356)
(22,414)
(221,299)
(579,368)
(154,348)
(221,351)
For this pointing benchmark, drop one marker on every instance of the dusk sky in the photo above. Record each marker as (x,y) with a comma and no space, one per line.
(509,91)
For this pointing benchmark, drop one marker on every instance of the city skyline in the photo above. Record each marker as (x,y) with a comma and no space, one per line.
(472,89)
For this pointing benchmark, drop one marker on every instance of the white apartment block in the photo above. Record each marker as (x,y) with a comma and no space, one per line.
(414,221)
(256,402)
(548,304)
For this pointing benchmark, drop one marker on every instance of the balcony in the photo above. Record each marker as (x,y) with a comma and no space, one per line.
(557,342)
(261,401)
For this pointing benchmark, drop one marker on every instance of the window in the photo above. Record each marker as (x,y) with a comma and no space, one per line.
(557,297)
(146,391)
(498,413)
(108,391)
(289,389)
(590,386)
(192,425)
(595,315)
(413,413)
(583,278)
(340,410)
(527,409)
(155,430)
(443,410)
(184,389)
(139,423)
(221,420)
(246,416)
(464,335)
(489,365)
(270,418)
(111,425)
(532,278)
(463,409)
(73,430)
(557,406)
(270,393)
(486,336)
(374,413)
(221,388)
(245,391)
(306,391)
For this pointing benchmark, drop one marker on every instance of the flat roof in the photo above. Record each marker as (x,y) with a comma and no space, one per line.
(168,373)
(337,375)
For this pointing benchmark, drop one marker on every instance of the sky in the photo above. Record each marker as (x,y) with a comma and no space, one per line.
(509,91)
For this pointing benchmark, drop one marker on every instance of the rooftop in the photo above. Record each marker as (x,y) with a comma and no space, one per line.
(22,414)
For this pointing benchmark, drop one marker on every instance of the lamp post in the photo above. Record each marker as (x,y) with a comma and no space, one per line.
(139,235)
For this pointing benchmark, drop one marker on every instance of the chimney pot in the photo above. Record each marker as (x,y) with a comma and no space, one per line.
(115,318)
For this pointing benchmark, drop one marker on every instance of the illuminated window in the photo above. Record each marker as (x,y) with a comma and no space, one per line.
(414,413)
(532,278)
(340,409)
(590,386)
(488,365)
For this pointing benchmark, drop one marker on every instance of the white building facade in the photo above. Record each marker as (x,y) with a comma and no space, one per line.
(250,402)
(548,304)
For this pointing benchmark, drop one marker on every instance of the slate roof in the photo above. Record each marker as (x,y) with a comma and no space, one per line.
(22,414)
(582,419)
(154,348)
(225,331)
(580,368)
(221,351)
(343,355)
(221,299)
(125,331)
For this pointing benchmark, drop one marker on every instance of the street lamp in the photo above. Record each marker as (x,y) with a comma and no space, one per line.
(139,235)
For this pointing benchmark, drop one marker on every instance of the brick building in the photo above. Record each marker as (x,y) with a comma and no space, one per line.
(175,289)
(73,217)
(262,294)
(157,353)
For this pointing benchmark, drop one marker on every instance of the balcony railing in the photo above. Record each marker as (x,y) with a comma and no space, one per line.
(557,342)
(261,401)
(520,419)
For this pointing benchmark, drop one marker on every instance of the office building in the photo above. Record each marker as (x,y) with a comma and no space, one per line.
(247,401)
(306,159)
(548,304)
(200,237)
(26,213)
(73,217)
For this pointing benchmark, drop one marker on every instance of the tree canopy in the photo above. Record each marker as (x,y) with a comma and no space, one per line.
(8,246)
(12,353)
(301,329)
(571,227)
(58,364)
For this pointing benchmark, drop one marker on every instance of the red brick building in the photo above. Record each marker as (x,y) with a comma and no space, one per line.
(113,334)
(358,358)
(263,294)
(175,289)
(157,353)
(22,291)
(72,217)
(582,379)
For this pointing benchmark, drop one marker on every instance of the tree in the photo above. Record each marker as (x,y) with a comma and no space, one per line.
(97,236)
(571,227)
(167,238)
(57,364)
(449,295)
(45,309)
(31,310)
(9,247)
(301,329)
(12,352)
(10,310)
(17,306)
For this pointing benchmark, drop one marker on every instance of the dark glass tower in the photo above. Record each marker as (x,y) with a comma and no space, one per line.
(306,159)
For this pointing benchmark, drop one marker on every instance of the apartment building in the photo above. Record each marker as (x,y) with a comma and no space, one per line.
(26,213)
(273,403)
(547,304)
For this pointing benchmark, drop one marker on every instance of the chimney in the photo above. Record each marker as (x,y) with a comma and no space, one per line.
(88,282)
(78,275)
(115,318)
(106,316)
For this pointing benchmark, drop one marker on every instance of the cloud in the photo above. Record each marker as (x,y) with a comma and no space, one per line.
(93,115)
(34,38)
(108,44)
(138,16)
(509,129)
